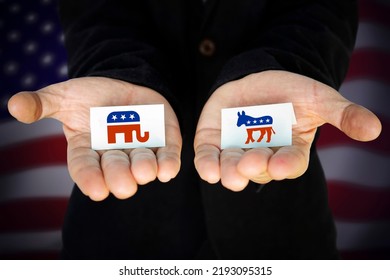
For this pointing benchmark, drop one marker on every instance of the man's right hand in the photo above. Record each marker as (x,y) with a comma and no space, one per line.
(97,173)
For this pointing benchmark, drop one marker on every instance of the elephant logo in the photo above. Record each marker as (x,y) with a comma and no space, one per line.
(262,124)
(125,122)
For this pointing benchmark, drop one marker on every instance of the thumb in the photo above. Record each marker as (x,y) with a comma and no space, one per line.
(359,123)
(354,120)
(28,107)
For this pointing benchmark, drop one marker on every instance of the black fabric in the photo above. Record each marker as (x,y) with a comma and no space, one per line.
(156,44)
(161,221)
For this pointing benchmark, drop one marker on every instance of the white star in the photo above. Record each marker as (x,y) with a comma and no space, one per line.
(13,36)
(47,27)
(15,8)
(261,121)
(28,80)
(30,47)
(132,116)
(254,121)
(63,70)
(61,38)
(123,117)
(47,59)
(248,122)
(31,17)
(11,68)
(114,117)
(267,120)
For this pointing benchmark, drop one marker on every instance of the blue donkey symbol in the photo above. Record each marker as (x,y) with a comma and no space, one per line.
(262,124)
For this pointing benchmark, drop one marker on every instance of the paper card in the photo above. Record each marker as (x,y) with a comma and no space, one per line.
(124,127)
(257,126)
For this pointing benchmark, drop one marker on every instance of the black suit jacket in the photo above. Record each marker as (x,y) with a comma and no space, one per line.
(155,43)
(158,44)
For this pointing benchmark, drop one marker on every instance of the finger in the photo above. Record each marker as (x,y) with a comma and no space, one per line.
(254,165)
(143,165)
(120,182)
(231,178)
(207,163)
(289,162)
(29,107)
(84,168)
(168,157)
(207,153)
(168,161)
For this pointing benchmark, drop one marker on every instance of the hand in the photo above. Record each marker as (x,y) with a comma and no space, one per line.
(97,173)
(314,104)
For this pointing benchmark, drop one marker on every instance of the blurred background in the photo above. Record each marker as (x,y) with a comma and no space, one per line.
(34,181)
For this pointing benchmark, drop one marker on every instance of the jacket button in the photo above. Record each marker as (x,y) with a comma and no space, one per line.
(207,47)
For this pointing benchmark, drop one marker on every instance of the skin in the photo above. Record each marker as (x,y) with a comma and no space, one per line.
(96,172)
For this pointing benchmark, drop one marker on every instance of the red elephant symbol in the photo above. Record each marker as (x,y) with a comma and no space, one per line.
(125,122)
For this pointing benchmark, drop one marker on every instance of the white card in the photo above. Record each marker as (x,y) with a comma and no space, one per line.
(257,126)
(124,127)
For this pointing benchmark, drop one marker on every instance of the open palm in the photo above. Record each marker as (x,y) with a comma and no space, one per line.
(97,173)
(314,104)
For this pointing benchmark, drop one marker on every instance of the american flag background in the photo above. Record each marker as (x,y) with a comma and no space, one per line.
(34,181)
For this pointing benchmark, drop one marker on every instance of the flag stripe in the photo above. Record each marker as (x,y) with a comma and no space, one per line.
(33,214)
(14,242)
(33,255)
(375,254)
(52,181)
(14,132)
(354,236)
(369,63)
(371,10)
(35,153)
(373,94)
(364,203)
(373,36)
(355,166)
(331,136)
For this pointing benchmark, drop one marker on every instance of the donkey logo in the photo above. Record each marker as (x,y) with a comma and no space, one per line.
(262,124)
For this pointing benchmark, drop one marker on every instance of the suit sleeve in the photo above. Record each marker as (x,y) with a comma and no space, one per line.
(311,38)
(112,38)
